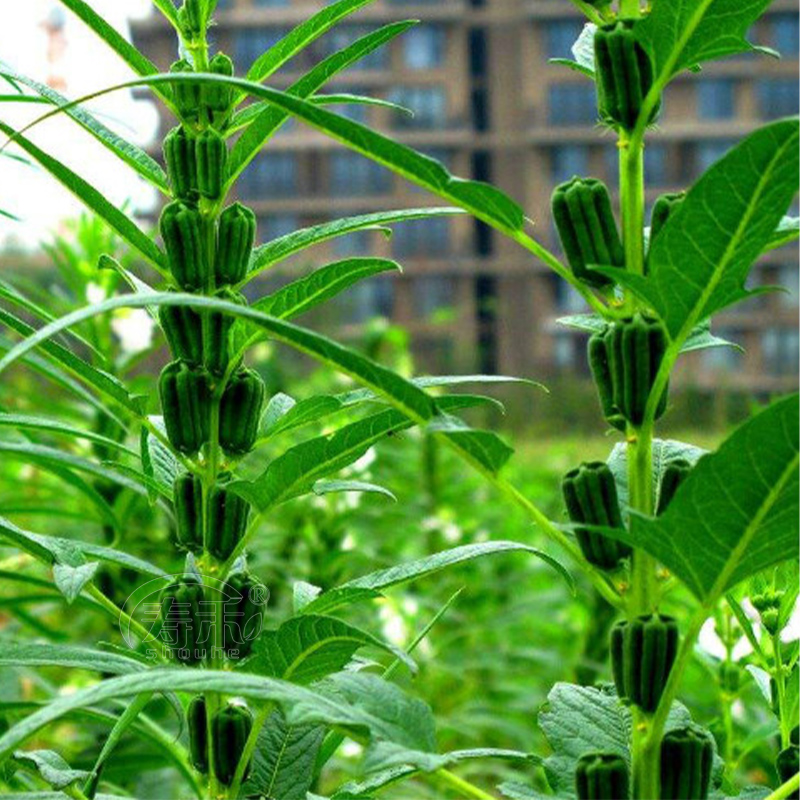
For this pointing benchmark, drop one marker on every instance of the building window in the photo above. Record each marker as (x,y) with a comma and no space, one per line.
(367,300)
(344,35)
(789,279)
(568,299)
(352,174)
(786,34)
(723,359)
(778,98)
(572,104)
(271,2)
(421,238)
(429,104)
(655,165)
(270,175)
(274,226)
(781,350)
(567,161)
(716,98)
(252,42)
(708,153)
(433,293)
(423,47)
(561,35)
(357,243)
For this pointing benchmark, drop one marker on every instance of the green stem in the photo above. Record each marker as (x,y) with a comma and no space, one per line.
(249,749)
(788,788)
(121,616)
(644,588)
(632,202)
(468,789)
(780,685)
(630,9)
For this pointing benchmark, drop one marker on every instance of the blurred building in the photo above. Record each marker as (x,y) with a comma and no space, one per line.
(489,105)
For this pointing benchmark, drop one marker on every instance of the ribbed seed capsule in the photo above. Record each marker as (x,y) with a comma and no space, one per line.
(183,329)
(635,349)
(675,473)
(186,93)
(590,494)
(181,160)
(663,209)
(687,756)
(244,613)
(190,17)
(212,161)
(186,403)
(230,728)
(227,522)
(624,73)
(237,233)
(188,500)
(197,723)
(643,651)
(216,352)
(602,776)
(184,624)
(601,372)
(182,228)
(240,412)
(218,98)
(587,228)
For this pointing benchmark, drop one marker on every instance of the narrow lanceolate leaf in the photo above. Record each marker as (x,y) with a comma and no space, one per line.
(361,703)
(53,550)
(26,422)
(271,119)
(124,49)
(486,450)
(370,585)
(133,156)
(320,286)
(71,580)
(284,759)
(737,512)
(307,648)
(298,469)
(51,766)
(94,200)
(280,249)
(31,654)
(300,37)
(321,488)
(700,261)
(682,33)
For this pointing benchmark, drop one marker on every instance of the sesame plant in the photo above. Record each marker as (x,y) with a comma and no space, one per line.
(666,535)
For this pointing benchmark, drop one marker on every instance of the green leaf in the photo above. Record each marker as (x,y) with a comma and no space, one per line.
(358,100)
(280,249)
(321,488)
(300,37)
(737,512)
(270,119)
(124,49)
(52,767)
(788,231)
(94,200)
(683,33)
(51,549)
(370,585)
(701,259)
(132,155)
(71,580)
(321,285)
(284,414)
(159,463)
(361,703)
(26,422)
(583,52)
(307,648)
(484,448)
(284,759)
(31,654)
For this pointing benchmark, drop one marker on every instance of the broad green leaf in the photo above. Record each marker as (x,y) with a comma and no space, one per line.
(700,261)
(284,759)
(484,448)
(321,285)
(300,37)
(52,767)
(374,583)
(270,119)
(361,703)
(307,648)
(737,512)
(299,468)
(32,654)
(102,381)
(788,231)
(283,413)
(124,49)
(683,33)
(131,154)
(701,338)
(71,580)
(94,200)
(26,422)
(280,249)
(664,451)
(51,549)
